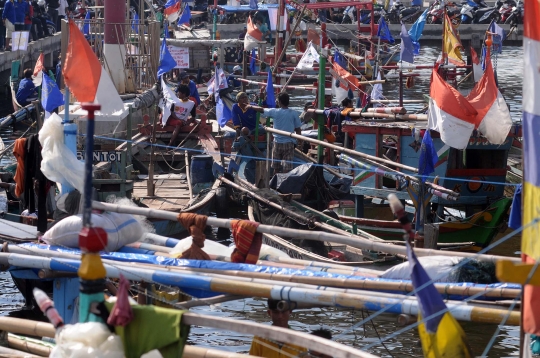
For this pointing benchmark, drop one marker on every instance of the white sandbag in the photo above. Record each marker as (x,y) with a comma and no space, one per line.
(91,339)
(210,247)
(267,250)
(122,229)
(59,163)
(439,268)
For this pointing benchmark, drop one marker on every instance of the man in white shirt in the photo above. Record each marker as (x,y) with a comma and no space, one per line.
(183,111)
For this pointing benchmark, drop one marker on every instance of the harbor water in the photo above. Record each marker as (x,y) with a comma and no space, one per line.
(342,322)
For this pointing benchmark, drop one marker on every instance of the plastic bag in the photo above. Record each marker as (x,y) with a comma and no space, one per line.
(91,339)
(59,164)
(122,229)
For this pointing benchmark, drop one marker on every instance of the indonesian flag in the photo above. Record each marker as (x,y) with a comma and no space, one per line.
(37,76)
(85,77)
(172,10)
(477,66)
(253,36)
(455,116)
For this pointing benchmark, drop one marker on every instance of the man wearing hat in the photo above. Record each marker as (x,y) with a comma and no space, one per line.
(232,80)
(193,92)
(243,34)
(243,116)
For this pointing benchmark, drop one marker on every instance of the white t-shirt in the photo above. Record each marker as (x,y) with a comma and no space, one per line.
(183,109)
(62,8)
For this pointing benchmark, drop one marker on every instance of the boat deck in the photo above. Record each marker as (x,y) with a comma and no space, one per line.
(171,192)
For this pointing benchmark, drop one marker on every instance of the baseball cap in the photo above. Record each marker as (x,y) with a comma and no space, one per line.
(237,68)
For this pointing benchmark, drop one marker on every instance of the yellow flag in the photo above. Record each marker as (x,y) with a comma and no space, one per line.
(452,43)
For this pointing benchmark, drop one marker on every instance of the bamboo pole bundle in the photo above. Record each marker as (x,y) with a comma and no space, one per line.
(394,117)
(199,352)
(27,327)
(356,242)
(367,301)
(341,149)
(30,347)
(14,353)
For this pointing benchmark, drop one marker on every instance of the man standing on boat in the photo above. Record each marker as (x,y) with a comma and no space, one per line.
(286,120)
(8,19)
(183,112)
(193,92)
(262,347)
(232,80)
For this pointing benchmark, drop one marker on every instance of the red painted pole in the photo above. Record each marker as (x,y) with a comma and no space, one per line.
(115,17)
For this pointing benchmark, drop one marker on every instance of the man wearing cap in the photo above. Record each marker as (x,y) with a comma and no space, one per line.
(232,79)
(242,116)
(183,112)
(193,92)
(243,34)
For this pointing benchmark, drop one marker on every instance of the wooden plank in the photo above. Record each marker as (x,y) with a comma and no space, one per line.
(508,271)
(17,230)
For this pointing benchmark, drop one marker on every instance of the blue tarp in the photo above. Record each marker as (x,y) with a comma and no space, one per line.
(142,256)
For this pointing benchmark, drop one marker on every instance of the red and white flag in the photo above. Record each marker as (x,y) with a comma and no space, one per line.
(85,77)
(455,116)
(37,76)
(476,66)
(253,36)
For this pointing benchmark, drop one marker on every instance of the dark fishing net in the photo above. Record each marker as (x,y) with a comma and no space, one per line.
(477,272)
(268,215)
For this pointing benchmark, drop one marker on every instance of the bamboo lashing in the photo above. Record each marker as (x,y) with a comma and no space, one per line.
(356,242)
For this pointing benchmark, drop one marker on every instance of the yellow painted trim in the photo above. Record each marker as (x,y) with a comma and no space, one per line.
(508,271)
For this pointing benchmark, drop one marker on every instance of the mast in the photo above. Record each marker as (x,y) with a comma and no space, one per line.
(320,101)
(114,50)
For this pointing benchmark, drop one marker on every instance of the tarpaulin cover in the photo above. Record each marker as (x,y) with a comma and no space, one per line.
(217,265)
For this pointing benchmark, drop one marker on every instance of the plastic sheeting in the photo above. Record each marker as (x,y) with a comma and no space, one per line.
(216,265)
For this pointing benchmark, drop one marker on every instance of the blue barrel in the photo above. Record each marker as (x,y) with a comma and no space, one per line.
(201,169)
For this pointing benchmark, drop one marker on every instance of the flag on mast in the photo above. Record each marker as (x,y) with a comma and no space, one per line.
(86,78)
(37,76)
(415,32)
(530,245)
(407,48)
(172,10)
(452,43)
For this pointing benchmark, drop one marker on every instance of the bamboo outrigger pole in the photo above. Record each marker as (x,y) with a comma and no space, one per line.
(356,242)
(341,149)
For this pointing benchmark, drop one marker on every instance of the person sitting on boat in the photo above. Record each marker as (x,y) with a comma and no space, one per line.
(286,120)
(181,111)
(232,79)
(193,92)
(244,117)
(262,347)
(27,90)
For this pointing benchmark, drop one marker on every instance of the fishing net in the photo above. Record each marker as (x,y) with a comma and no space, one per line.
(477,272)
(296,219)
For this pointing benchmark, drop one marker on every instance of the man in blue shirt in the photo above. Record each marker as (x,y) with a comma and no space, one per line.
(8,19)
(27,91)
(232,80)
(286,120)
(21,8)
(243,116)
(193,92)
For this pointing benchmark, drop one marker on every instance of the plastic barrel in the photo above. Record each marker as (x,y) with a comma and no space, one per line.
(201,169)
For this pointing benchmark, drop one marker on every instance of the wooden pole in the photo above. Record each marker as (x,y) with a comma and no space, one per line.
(357,242)
(284,49)
(150,189)
(199,352)
(188,175)
(341,149)
(30,347)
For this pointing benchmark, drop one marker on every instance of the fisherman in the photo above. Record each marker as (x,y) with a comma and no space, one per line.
(181,111)
(244,117)
(232,80)
(26,92)
(263,28)
(8,19)
(21,9)
(286,120)
(193,92)
(262,347)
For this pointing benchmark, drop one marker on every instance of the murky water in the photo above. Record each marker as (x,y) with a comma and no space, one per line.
(339,321)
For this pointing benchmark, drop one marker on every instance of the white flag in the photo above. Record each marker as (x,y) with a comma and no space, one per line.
(311,55)
(169,98)
(376,92)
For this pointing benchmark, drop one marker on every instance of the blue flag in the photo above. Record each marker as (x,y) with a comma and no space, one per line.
(223,112)
(428,157)
(252,67)
(416,30)
(384,32)
(270,97)
(253,4)
(340,59)
(135,23)
(185,17)
(407,49)
(86,26)
(498,38)
(51,97)
(166,61)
